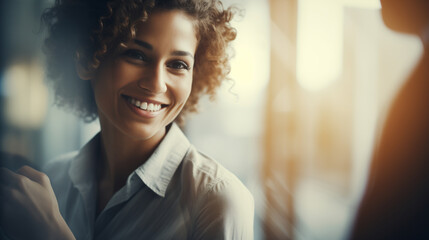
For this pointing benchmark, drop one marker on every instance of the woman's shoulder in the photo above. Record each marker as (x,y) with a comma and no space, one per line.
(203,168)
(60,161)
(223,206)
(209,177)
(78,163)
(59,166)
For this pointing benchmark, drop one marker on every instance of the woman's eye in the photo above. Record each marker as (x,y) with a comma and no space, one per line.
(136,55)
(178,65)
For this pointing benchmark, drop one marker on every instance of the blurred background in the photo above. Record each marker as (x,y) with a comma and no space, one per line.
(313,80)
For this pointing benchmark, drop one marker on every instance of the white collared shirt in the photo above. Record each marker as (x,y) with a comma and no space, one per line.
(178,193)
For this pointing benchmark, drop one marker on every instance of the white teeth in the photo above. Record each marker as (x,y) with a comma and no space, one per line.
(151,107)
(144,106)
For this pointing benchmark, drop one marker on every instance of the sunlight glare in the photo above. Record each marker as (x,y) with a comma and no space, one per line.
(319,43)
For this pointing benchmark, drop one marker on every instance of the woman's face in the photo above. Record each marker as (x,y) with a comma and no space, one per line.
(144,85)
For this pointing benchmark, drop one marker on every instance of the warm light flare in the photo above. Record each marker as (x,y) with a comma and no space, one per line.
(320,40)
(319,43)
(26,95)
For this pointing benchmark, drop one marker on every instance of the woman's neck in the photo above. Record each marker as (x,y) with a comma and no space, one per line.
(121,154)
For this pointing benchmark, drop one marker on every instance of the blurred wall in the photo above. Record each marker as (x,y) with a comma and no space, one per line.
(23,94)
(322,124)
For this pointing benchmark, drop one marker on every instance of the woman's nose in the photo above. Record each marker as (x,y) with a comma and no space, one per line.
(154,80)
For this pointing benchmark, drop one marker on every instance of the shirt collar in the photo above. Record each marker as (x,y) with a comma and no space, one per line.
(156,172)
(82,174)
(82,168)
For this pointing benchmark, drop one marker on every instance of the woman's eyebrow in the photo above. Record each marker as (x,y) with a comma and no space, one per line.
(182,53)
(174,53)
(143,44)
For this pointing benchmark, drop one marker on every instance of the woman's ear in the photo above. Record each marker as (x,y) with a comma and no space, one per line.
(83,72)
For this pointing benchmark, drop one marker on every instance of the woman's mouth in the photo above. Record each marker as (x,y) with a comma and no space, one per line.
(145,106)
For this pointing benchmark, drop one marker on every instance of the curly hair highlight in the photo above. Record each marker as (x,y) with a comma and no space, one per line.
(86,31)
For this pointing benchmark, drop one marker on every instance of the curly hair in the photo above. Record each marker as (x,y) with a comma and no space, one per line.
(86,31)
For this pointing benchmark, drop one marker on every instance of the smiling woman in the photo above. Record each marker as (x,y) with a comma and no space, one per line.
(138,66)
(152,70)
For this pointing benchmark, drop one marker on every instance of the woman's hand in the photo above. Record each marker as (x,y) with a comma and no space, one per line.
(28,207)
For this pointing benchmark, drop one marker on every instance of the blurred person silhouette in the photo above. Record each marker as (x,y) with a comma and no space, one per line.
(138,66)
(395,204)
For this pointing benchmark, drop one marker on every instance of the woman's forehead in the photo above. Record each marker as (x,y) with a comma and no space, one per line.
(167,27)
